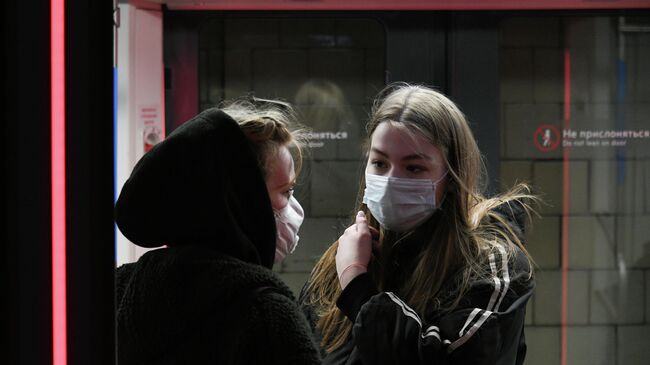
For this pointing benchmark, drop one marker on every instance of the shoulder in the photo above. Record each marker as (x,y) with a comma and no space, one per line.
(230,272)
(512,272)
(285,325)
(123,275)
(520,261)
(507,275)
(125,271)
(265,283)
(512,221)
(514,215)
(509,261)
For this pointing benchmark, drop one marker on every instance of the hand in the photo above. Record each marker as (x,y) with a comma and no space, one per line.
(354,251)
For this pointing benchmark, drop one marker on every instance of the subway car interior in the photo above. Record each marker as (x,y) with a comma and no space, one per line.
(557,94)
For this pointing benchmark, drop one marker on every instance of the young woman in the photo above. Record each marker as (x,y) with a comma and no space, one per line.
(218,194)
(431,271)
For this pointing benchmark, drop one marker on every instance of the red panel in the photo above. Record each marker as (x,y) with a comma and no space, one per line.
(404,4)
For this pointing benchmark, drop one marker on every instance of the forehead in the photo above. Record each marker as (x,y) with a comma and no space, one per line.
(281,171)
(398,141)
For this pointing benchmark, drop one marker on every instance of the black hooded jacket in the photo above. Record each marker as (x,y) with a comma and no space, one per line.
(209,296)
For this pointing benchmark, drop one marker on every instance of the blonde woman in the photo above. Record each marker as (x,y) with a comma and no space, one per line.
(430,271)
(218,194)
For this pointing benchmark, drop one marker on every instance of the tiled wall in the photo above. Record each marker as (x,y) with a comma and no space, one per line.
(330,70)
(608,310)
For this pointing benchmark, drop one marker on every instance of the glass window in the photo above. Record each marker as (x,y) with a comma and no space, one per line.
(571,116)
(575,103)
(330,70)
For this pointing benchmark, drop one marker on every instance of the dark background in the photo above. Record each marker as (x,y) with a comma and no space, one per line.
(26,241)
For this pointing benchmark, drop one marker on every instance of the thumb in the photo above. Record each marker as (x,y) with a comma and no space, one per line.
(361,221)
(360,216)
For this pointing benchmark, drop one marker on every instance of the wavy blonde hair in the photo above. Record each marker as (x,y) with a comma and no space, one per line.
(269,125)
(457,243)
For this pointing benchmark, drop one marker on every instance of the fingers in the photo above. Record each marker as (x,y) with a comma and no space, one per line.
(361,216)
(355,247)
(362,223)
(362,228)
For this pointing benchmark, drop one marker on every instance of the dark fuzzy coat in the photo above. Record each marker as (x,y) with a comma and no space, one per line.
(192,305)
(209,296)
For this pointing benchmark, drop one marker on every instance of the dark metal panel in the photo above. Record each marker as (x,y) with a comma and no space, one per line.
(474,84)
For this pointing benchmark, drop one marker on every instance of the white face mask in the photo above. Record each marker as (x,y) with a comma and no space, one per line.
(400,204)
(287,223)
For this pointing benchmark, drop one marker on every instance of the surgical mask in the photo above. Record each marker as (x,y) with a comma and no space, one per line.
(287,223)
(400,204)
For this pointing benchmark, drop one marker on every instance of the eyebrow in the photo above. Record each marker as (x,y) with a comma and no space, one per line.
(414,156)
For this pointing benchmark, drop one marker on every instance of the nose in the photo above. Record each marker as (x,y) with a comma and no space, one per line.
(394,171)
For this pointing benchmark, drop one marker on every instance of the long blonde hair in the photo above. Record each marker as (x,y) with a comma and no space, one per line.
(457,243)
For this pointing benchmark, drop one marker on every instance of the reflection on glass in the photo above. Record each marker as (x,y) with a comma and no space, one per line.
(330,70)
(575,97)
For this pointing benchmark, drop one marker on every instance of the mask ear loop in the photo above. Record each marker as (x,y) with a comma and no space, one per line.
(435,184)
(441,177)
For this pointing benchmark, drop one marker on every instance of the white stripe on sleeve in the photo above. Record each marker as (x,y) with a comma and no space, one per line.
(468,321)
(506,276)
(484,316)
(497,283)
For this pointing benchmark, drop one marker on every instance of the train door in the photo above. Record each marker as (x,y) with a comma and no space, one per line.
(555,98)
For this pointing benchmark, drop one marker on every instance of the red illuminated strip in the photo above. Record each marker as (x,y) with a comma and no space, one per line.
(565,209)
(162,103)
(57,56)
(407,5)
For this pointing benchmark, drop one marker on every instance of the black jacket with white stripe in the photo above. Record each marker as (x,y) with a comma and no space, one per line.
(485,328)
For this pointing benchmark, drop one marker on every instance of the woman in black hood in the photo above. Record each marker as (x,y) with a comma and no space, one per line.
(217,193)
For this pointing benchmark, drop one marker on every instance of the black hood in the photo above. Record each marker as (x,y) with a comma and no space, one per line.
(201,186)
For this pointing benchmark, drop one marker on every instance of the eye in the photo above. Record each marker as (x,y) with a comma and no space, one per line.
(289,192)
(378,164)
(415,169)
